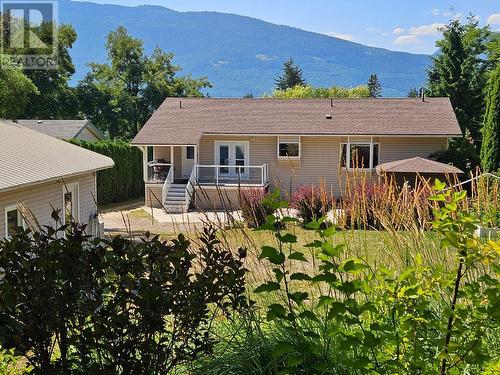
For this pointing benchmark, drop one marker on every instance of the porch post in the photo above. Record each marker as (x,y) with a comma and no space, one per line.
(172,160)
(145,162)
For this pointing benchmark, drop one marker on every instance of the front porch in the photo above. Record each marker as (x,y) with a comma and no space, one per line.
(173,175)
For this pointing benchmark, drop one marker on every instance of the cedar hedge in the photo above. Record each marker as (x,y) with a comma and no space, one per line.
(123,181)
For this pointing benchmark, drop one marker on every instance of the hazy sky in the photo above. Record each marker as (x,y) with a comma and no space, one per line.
(405,25)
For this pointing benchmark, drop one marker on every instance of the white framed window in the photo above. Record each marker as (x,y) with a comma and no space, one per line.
(71,203)
(289,148)
(359,154)
(13,220)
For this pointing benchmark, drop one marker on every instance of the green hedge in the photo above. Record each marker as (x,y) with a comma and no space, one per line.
(123,181)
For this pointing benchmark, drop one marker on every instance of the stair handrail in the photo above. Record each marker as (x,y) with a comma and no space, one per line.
(190,186)
(166,185)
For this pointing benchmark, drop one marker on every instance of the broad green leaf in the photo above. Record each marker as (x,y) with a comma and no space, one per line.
(282,347)
(272,254)
(267,287)
(331,250)
(297,255)
(299,276)
(307,314)
(275,310)
(298,297)
(286,238)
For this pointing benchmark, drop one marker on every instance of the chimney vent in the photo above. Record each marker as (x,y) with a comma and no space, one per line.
(422,94)
(328,117)
(180,104)
(39,122)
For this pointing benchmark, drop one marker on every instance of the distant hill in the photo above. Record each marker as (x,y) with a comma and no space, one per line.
(239,54)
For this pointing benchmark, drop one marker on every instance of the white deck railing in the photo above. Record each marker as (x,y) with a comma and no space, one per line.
(227,175)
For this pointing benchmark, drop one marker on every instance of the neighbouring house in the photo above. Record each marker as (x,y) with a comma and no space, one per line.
(65,129)
(39,173)
(202,150)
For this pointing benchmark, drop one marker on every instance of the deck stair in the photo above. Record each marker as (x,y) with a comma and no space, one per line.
(175,201)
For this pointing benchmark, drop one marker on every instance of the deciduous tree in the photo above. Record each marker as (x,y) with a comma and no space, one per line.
(120,95)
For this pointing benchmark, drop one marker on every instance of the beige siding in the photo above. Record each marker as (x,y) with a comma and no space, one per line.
(41,198)
(392,149)
(216,199)
(320,159)
(163,152)
(87,135)
(153,195)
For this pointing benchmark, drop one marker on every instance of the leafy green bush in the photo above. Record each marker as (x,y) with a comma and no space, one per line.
(10,363)
(421,320)
(114,307)
(123,181)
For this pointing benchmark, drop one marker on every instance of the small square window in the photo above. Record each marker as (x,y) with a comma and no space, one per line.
(290,150)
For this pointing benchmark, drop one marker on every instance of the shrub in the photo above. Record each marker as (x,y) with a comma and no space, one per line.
(420,320)
(125,180)
(115,306)
(311,202)
(253,211)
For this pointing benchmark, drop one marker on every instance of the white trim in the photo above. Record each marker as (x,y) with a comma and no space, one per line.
(246,160)
(299,142)
(71,188)
(348,144)
(13,207)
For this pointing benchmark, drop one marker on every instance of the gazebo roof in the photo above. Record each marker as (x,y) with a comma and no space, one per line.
(417,165)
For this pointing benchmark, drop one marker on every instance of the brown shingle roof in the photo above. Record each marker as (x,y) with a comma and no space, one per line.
(417,165)
(171,124)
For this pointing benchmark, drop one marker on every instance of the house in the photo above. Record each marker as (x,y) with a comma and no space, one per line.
(39,173)
(196,148)
(65,129)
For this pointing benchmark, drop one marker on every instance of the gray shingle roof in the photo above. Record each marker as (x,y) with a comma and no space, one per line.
(28,157)
(63,129)
(184,121)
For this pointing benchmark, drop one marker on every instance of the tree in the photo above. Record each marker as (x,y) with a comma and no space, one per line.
(490,148)
(56,100)
(374,86)
(321,92)
(413,93)
(458,72)
(291,77)
(15,92)
(121,95)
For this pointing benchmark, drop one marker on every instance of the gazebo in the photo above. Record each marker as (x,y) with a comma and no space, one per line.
(407,170)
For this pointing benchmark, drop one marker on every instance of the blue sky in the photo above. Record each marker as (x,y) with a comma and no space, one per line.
(403,25)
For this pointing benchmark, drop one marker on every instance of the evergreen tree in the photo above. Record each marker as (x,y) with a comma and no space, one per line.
(490,149)
(292,76)
(458,72)
(413,93)
(374,86)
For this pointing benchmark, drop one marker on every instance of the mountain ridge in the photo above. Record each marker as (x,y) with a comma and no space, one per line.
(239,54)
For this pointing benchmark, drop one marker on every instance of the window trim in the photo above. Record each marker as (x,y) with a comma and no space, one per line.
(71,188)
(9,208)
(298,142)
(348,153)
